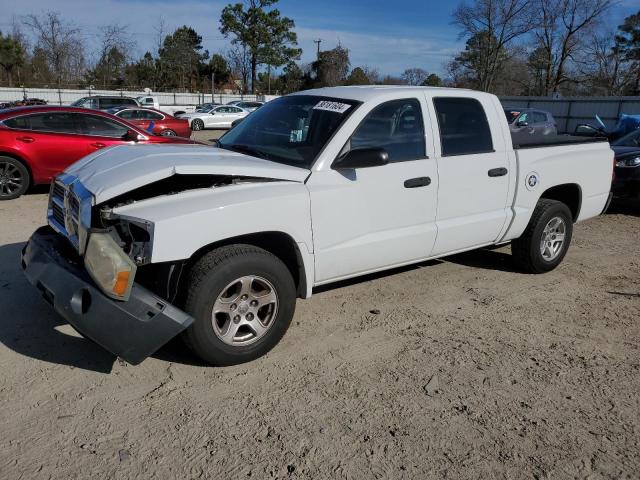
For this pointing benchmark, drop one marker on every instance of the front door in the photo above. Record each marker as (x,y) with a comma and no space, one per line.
(474,173)
(374,218)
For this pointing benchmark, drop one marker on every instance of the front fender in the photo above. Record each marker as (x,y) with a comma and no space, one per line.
(184,223)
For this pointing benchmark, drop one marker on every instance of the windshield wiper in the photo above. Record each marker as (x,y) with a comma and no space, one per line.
(248,150)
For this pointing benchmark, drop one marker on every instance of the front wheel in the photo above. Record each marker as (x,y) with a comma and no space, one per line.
(197,125)
(14,178)
(242,299)
(546,239)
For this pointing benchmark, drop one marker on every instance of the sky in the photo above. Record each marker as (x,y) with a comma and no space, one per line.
(387,35)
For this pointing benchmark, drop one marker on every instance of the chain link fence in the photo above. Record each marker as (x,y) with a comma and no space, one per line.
(67,96)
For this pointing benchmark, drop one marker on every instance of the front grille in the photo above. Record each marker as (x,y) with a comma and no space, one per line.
(57,213)
(58,191)
(66,210)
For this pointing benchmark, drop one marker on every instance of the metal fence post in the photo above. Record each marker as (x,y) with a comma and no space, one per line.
(568,117)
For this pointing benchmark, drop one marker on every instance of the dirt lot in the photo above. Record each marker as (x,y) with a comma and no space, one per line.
(461,368)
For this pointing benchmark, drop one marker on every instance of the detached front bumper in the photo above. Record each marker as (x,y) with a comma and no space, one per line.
(132,330)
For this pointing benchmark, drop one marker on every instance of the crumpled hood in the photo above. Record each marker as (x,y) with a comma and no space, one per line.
(114,171)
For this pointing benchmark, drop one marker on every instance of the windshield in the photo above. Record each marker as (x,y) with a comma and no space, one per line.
(291,130)
(630,140)
(511,115)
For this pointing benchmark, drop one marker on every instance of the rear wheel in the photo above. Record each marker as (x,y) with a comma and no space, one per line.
(546,239)
(14,178)
(242,299)
(168,133)
(197,125)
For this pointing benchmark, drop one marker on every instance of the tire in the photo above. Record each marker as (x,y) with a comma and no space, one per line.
(550,218)
(215,288)
(14,178)
(197,125)
(168,133)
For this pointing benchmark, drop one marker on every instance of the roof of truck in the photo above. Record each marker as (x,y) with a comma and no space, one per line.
(367,92)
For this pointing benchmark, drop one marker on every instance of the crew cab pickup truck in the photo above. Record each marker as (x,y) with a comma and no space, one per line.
(153,102)
(217,243)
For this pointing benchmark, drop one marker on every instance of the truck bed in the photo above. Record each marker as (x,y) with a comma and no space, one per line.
(521,142)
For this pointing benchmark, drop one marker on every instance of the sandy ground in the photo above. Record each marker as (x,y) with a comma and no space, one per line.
(461,368)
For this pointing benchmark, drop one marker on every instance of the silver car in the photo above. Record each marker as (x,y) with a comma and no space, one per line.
(529,122)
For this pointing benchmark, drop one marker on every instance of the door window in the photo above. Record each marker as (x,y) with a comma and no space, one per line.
(101,127)
(148,115)
(464,129)
(538,117)
(396,126)
(127,114)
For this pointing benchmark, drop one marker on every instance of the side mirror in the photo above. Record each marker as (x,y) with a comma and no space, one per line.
(362,158)
(522,124)
(132,136)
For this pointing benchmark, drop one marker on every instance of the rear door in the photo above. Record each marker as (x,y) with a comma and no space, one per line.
(473,171)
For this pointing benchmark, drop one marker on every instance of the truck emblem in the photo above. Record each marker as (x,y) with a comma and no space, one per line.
(532,181)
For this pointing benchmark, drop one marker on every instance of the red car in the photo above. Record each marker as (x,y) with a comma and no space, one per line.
(163,123)
(37,143)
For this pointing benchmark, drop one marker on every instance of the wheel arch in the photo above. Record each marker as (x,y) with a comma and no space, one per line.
(280,244)
(568,193)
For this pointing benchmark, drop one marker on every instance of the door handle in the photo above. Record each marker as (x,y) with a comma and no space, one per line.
(498,172)
(98,145)
(26,139)
(417,182)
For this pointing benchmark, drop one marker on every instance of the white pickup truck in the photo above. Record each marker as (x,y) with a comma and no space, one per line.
(148,242)
(173,110)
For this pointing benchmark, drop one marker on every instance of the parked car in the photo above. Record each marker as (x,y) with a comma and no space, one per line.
(102,102)
(626,184)
(312,188)
(221,116)
(37,143)
(150,101)
(625,125)
(529,122)
(160,123)
(206,106)
(249,106)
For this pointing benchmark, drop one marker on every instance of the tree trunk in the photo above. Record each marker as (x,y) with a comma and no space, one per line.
(254,68)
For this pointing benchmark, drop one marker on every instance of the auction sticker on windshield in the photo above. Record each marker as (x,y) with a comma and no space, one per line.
(336,107)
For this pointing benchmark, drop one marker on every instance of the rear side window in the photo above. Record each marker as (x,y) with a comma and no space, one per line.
(396,126)
(44,122)
(464,129)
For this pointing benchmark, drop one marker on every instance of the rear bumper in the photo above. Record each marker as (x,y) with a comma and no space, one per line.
(132,330)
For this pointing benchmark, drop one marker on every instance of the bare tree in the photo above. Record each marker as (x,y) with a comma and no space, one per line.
(561,26)
(114,52)
(239,60)
(497,23)
(414,76)
(60,43)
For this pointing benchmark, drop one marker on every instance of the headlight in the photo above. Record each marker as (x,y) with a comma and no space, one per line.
(109,266)
(628,162)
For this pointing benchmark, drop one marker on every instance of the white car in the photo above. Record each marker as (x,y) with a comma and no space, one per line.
(220,116)
(249,106)
(146,242)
